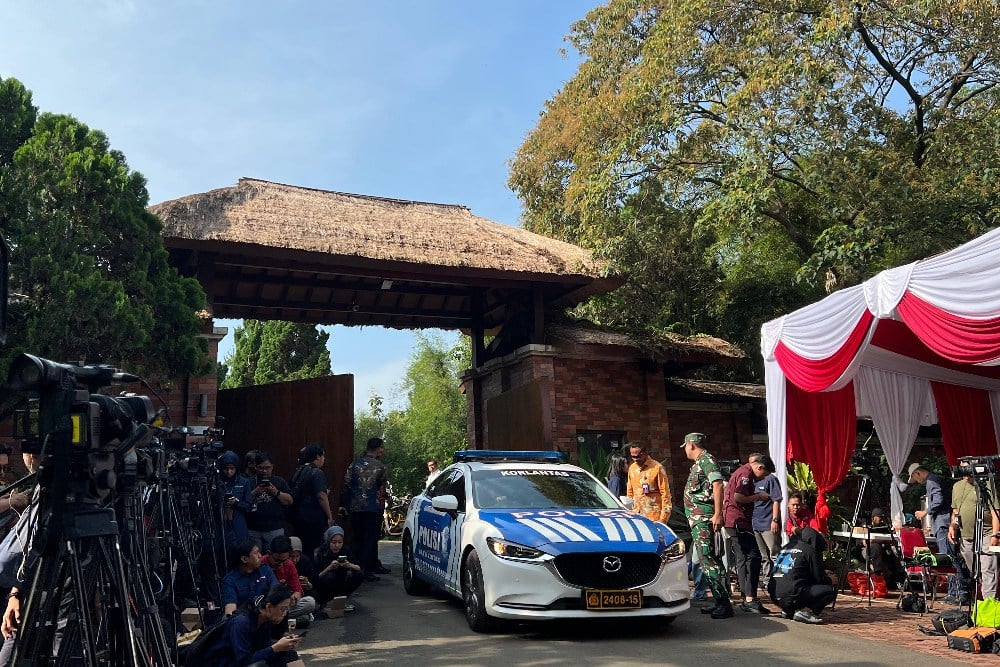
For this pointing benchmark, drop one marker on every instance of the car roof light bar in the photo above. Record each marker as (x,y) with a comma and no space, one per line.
(498,456)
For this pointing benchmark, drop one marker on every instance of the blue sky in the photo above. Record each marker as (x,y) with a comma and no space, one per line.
(413,100)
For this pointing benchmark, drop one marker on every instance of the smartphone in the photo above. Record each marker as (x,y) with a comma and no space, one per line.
(264,481)
(341,559)
(299,635)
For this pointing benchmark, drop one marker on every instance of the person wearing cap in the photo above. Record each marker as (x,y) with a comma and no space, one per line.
(882,556)
(703,496)
(648,486)
(938,505)
(965,498)
(739,499)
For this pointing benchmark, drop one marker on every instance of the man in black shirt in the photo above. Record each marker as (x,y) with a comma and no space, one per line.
(799,583)
(270,495)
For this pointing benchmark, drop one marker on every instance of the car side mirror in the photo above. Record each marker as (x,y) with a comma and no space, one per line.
(445,503)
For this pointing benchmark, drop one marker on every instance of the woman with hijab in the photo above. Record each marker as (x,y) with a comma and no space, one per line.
(338,572)
(799,583)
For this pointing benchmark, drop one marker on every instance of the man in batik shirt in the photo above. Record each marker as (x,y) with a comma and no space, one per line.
(647,486)
(703,508)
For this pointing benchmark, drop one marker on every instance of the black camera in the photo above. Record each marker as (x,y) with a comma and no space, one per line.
(976,466)
(728,467)
(264,481)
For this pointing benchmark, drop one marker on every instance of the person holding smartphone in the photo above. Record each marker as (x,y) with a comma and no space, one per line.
(339,574)
(247,636)
(269,498)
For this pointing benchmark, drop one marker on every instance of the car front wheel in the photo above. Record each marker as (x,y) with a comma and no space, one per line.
(474,595)
(412,583)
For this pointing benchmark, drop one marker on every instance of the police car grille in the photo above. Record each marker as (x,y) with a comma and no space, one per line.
(588,571)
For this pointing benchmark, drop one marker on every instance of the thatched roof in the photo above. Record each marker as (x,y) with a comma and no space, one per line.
(262,213)
(721,389)
(664,347)
(270,251)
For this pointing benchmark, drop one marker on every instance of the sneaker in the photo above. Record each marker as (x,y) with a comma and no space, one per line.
(382,570)
(724,610)
(320,616)
(349,606)
(709,610)
(805,616)
(755,607)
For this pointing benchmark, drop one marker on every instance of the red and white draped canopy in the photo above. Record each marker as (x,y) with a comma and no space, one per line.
(917,344)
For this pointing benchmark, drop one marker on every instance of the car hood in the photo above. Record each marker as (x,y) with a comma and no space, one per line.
(567,531)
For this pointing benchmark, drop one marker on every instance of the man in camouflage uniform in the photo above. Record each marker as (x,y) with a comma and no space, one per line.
(703,507)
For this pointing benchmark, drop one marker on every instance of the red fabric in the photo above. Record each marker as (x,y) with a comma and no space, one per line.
(966,420)
(286,573)
(953,337)
(818,374)
(897,337)
(858,582)
(822,432)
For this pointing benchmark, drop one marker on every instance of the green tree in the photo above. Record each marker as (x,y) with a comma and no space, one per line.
(276,351)
(432,424)
(783,147)
(88,264)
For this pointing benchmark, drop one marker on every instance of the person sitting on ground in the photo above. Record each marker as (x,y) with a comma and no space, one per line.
(247,637)
(308,574)
(248,577)
(338,574)
(799,516)
(280,560)
(799,583)
(882,556)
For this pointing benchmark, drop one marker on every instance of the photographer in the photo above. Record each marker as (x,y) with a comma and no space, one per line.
(964,500)
(236,500)
(269,496)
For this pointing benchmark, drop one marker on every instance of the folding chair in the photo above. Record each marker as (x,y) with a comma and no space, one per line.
(921,577)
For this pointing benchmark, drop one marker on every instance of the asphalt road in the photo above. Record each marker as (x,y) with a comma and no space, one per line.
(391,628)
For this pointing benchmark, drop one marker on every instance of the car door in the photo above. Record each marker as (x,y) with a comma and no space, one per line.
(432,544)
(452,533)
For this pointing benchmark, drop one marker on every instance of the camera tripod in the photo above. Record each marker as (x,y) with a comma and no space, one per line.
(866,537)
(985,506)
(80,606)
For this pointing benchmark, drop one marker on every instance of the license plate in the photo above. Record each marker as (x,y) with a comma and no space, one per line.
(598,600)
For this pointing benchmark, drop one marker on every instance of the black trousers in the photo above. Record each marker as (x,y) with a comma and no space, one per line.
(367,530)
(747,561)
(815,598)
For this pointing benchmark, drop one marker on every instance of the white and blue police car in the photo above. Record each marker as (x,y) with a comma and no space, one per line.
(522,535)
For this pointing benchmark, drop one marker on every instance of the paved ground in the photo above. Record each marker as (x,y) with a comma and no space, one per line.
(390,628)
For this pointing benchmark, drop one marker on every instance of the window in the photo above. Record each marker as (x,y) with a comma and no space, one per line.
(598,444)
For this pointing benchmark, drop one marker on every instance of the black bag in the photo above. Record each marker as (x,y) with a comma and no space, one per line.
(913,603)
(950,620)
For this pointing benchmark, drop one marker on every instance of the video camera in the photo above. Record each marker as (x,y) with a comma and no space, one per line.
(728,467)
(868,461)
(976,466)
(85,420)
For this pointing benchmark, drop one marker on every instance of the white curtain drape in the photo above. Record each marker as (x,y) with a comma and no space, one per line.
(774,386)
(897,404)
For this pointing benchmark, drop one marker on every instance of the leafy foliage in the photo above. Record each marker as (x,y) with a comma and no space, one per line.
(432,425)
(88,264)
(734,159)
(276,351)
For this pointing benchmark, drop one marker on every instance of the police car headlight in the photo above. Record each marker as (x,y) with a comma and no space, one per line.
(506,549)
(674,551)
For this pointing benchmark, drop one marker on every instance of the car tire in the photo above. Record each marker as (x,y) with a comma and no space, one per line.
(474,596)
(412,583)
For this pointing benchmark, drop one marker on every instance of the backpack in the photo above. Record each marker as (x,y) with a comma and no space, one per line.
(913,603)
(950,620)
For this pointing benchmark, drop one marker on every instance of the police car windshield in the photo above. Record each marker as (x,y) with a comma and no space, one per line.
(538,488)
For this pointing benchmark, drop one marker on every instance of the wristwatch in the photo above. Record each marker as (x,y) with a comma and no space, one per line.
(14,594)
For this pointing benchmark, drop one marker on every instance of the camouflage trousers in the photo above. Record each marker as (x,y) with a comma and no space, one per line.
(703,538)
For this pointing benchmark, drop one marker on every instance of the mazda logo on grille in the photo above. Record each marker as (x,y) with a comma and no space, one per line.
(612,563)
